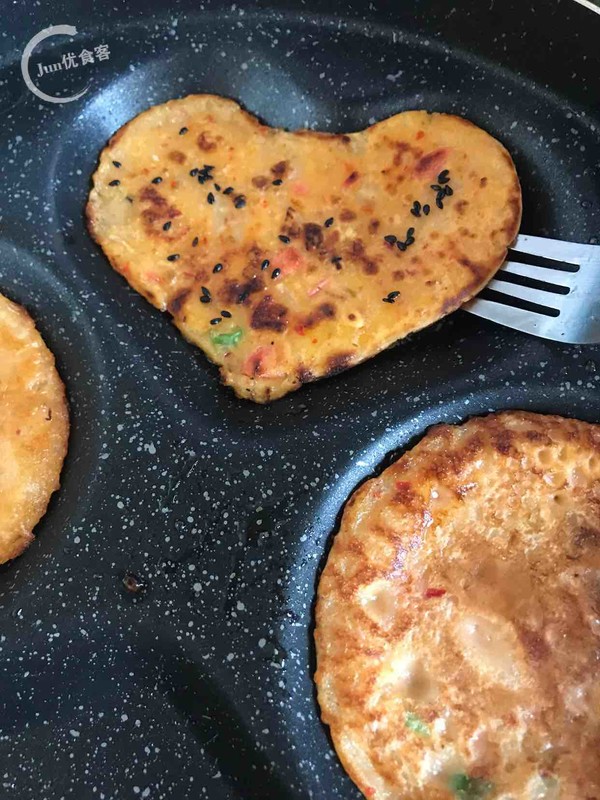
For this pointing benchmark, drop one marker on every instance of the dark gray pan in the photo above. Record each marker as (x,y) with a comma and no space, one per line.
(199,684)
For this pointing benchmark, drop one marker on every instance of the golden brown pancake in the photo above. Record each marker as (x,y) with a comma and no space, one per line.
(287,257)
(34,428)
(458,617)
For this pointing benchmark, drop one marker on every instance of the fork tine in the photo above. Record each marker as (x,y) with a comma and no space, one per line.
(552,248)
(518,318)
(554,276)
(538,296)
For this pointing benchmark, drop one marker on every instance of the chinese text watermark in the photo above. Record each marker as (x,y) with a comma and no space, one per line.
(69,61)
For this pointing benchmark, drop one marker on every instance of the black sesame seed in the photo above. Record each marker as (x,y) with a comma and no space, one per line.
(226,314)
(205,291)
(243,296)
(393,295)
(195,241)
(265,264)
(183,130)
(129,199)
(390,238)
(228,190)
(436,187)
(117,164)
(157,180)
(336,259)
(283,238)
(410,233)
(448,191)
(204,174)
(410,240)
(215,321)
(443,177)
(173,257)
(401,246)
(167,225)
(240,201)
(329,222)
(114,183)
(210,198)
(205,299)
(278,182)
(217,187)
(416,208)
(426,209)
(194,172)
(387,299)
(438,201)
(276,273)
(218,267)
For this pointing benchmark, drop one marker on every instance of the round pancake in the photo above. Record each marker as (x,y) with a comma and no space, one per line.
(287,257)
(34,428)
(458,617)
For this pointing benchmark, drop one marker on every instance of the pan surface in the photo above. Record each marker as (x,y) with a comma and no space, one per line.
(157,637)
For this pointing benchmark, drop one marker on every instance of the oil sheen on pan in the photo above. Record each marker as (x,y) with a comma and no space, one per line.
(287,257)
(458,616)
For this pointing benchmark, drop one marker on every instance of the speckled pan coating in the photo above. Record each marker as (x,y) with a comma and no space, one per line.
(199,685)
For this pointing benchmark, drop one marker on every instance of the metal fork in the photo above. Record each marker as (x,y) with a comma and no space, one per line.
(547,288)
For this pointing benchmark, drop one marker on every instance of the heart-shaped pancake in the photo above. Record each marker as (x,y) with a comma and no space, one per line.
(34,428)
(287,257)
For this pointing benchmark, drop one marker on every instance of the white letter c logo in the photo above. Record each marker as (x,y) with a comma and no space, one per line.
(54,30)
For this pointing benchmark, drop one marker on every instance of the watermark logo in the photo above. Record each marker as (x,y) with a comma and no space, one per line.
(69,61)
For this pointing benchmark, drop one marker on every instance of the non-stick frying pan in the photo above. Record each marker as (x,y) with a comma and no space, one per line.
(156,639)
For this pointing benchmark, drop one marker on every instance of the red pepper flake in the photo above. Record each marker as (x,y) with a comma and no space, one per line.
(434,592)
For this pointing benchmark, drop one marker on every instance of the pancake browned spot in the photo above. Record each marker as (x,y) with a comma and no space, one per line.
(339,363)
(235,292)
(159,209)
(206,142)
(304,375)
(279,169)
(269,315)
(432,162)
(322,311)
(175,305)
(313,236)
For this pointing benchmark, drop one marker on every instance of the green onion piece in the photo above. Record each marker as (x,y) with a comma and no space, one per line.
(416,724)
(466,788)
(230,339)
